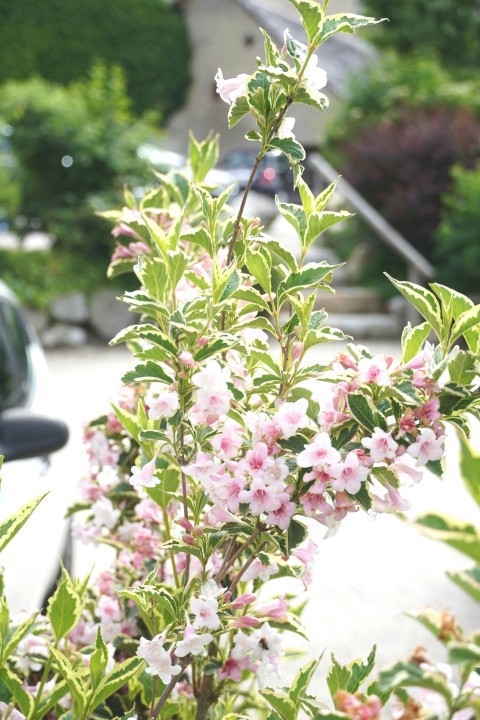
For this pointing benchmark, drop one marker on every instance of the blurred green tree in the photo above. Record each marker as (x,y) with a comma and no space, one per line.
(59,40)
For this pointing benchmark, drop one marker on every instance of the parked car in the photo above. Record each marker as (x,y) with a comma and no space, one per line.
(27,439)
(274,175)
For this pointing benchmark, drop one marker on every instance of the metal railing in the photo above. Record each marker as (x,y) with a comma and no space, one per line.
(418,267)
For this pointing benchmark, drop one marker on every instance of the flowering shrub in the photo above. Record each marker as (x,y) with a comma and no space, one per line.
(227,438)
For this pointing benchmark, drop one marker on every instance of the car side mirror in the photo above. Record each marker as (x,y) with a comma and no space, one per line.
(24,435)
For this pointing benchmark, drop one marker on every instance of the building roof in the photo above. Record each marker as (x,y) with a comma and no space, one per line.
(341,56)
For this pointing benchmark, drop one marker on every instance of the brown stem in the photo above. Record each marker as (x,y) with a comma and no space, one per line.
(184,662)
(223,571)
(244,569)
(206,697)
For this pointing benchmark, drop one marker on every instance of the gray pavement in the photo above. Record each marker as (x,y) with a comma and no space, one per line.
(367,576)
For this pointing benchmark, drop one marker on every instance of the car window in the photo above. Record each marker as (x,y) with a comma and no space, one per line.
(14,361)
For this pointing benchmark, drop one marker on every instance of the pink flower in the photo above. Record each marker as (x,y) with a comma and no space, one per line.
(391,502)
(275,609)
(381,445)
(186,358)
(257,460)
(230,89)
(205,611)
(428,447)
(108,609)
(350,474)
(429,412)
(258,569)
(145,476)
(161,402)
(104,514)
(374,370)
(261,497)
(192,643)
(212,398)
(158,659)
(229,440)
(291,417)
(282,515)
(319,453)
(233,669)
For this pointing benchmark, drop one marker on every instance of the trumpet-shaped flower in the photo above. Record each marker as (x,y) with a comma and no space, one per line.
(381,445)
(158,659)
(428,447)
(230,89)
(192,643)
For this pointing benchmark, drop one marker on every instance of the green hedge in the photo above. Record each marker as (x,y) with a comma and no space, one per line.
(60,39)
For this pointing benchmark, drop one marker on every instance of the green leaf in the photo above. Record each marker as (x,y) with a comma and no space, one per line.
(460,535)
(413,340)
(463,368)
(283,252)
(310,275)
(118,677)
(296,49)
(296,534)
(318,222)
(129,422)
(21,697)
(232,285)
(154,276)
(258,266)
(344,22)
(258,93)
(468,320)
(411,675)
(238,109)
(302,679)
(280,702)
(322,200)
(215,346)
(338,677)
(423,300)
(365,413)
(312,17)
(429,618)
(309,97)
(18,633)
(98,660)
(71,677)
(11,526)
(323,335)
(290,147)
(64,607)
(359,671)
(50,699)
(251,295)
(147,371)
(202,238)
(468,580)
(463,652)
(295,215)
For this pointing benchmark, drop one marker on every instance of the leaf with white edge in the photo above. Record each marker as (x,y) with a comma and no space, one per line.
(322,200)
(309,276)
(147,371)
(11,526)
(129,422)
(50,699)
(359,671)
(214,347)
(290,147)
(98,660)
(202,238)
(296,49)
(462,536)
(467,321)
(463,368)
(291,624)
(232,285)
(463,652)
(412,675)
(386,476)
(296,534)
(64,607)
(157,234)
(271,51)
(71,677)
(238,109)
(116,679)
(470,469)
(319,222)
(283,252)
(312,17)
(455,301)
(413,340)
(322,335)
(307,197)
(251,295)
(423,300)
(259,267)
(302,679)
(430,619)
(309,97)
(21,697)
(338,677)
(295,215)
(468,580)
(280,702)
(365,412)
(15,633)
(344,22)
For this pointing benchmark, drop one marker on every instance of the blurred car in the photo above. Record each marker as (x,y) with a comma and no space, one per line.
(26,441)
(274,175)
(164,160)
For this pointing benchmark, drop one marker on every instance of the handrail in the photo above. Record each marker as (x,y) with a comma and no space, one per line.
(419,268)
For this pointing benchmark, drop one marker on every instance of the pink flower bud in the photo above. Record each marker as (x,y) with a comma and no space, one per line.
(186,358)
(243,600)
(185,524)
(202,342)
(245,621)
(197,531)
(297,350)
(188,539)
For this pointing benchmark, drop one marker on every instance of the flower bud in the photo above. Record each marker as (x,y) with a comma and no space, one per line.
(245,621)
(185,524)
(243,600)
(188,539)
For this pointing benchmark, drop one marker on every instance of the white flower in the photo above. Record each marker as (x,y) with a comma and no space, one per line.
(7,711)
(192,644)
(231,88)
(161,403)
(381,445)
(314,78)
(349,475)
(145,476)
(205,611)
(291,416)
(158,659)
(104,514)
(428,447)
(319,453)
(286,128)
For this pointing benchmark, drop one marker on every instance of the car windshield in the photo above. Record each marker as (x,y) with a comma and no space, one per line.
(14,363)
